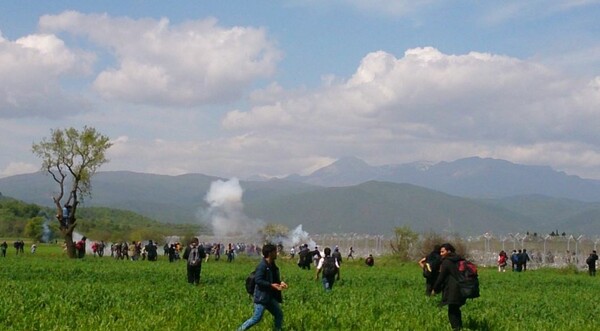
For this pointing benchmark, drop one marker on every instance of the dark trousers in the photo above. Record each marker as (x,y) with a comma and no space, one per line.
(428,287)
(455,316)
(193,274)
(592,270)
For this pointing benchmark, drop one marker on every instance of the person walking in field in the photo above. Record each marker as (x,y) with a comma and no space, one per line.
(304,257)
(350,253)
(514,259)
(194,254)
(502,258)
(80,247)
(329,266)
(524,258)
(431,268)
(151,251)
(267,291)
(447,284)
(591,262)
(337,255)
(3,248)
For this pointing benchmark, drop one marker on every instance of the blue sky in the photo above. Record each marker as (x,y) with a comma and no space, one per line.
(240,88)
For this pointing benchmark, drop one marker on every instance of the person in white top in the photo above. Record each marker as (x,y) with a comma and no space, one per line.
(330,269)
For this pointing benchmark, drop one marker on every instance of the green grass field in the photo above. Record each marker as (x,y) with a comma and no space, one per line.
(48,291)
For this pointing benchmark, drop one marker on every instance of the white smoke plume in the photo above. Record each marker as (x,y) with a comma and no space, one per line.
(226,211)
(46,232)
(297,237)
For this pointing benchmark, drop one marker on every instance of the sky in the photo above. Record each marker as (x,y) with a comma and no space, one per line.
(245,88)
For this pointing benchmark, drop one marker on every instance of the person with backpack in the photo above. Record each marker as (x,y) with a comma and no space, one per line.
(267,290)
(448,284)
(431,268)
(329,266)
(194,254)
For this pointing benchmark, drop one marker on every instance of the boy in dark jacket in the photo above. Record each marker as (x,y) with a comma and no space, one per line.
(267,291)
(447,283)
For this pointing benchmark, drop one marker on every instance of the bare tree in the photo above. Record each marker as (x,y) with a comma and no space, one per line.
(71,157)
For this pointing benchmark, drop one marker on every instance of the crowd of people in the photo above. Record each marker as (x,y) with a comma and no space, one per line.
(440,268)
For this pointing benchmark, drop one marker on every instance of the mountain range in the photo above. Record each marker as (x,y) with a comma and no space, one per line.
(470,177)
(467,196)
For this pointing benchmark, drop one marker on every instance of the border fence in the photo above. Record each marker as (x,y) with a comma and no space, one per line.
(543,250)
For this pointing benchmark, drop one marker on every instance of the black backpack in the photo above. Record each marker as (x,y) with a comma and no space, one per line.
(329,267)
(250,283)
(194,258)
(432,266)
(468,279)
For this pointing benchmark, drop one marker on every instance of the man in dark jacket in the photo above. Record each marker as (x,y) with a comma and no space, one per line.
(151,251)
(447,283)
(267,291)
(194,254)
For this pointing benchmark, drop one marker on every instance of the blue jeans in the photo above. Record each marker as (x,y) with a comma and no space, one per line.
(328,283)
(259,309)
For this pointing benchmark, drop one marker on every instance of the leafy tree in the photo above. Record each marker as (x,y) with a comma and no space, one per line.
(402,244)
(33,228)
(71,158)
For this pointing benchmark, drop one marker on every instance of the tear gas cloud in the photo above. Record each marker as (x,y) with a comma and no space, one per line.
(225,213)
(296,237)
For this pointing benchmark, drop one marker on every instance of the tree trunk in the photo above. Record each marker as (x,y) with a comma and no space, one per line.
(68,235)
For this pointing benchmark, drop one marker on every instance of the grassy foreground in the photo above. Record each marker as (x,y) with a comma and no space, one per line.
(47,291)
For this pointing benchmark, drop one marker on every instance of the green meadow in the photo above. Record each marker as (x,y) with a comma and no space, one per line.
(47,291)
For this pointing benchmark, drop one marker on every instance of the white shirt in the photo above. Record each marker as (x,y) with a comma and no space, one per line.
(322,260)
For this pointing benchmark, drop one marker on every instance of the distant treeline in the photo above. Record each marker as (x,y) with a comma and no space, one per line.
(24,220)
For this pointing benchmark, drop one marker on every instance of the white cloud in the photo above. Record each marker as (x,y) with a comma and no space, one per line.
(435,106)
(158,63)
(31,69)
(17,168)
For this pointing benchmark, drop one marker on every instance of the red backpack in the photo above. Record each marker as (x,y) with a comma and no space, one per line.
(468,279)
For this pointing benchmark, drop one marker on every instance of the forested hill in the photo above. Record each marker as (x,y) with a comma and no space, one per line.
(26,220)
(373,207)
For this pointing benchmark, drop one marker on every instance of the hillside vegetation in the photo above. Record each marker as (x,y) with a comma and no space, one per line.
(372,207)
(25,220)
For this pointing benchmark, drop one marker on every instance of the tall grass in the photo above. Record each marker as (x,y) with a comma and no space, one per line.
(47,291)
